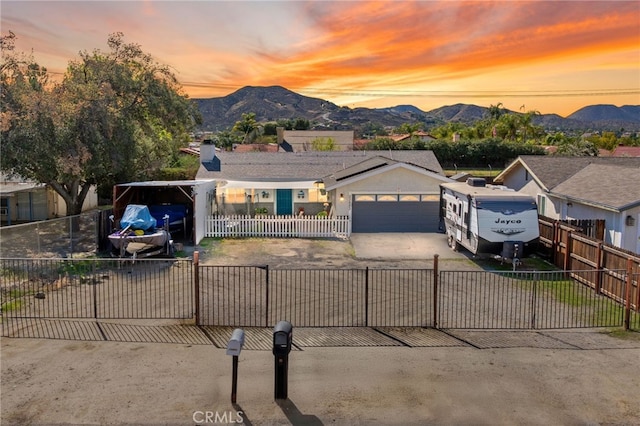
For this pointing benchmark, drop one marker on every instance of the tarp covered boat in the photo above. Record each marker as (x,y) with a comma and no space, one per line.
(138,235)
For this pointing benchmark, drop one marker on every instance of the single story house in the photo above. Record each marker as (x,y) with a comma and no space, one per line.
(570,188)
(24,201)
(380,191)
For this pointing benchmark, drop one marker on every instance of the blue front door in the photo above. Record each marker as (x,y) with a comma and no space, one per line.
(284,201)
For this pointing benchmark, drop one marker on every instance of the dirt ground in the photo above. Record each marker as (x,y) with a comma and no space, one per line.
(563,377)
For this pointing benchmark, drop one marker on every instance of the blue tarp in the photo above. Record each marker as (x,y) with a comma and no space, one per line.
(137,217)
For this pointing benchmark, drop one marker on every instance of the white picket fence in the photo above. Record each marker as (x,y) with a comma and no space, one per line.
(277,226)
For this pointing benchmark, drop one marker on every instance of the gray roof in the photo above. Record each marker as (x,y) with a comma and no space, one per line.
(308,165)
(551,171)
(613,186)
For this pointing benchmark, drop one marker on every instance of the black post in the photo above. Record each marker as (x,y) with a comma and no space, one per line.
(366,297)
(282,342)
(234,383)
(282,376)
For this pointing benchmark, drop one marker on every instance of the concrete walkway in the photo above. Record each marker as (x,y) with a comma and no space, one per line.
(403,246)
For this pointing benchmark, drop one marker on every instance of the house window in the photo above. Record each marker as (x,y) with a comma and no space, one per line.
(317,196)
(542,205)
(365,197)
(235,195)
(387,198)
(430,197)
(409,197)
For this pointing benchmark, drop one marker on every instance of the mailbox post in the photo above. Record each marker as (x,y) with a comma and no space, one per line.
(282,341)
(233,348)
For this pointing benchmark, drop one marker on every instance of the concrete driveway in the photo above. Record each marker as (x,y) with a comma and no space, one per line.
(403,246)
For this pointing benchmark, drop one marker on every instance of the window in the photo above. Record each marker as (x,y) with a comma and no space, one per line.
(365,198)
(431,197)
(387,198)
(409,197)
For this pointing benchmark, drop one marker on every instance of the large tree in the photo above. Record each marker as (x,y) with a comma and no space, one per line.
(114,117)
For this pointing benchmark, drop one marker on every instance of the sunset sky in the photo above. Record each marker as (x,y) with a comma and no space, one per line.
(549,56)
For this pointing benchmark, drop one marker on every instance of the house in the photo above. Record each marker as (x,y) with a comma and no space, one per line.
(380,191)
(570,188)
(24,201)
(302,140)
(626,151)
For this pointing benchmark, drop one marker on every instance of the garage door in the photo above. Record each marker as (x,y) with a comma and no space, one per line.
(395,213)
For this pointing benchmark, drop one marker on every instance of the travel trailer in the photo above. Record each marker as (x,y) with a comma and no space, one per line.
(489,219)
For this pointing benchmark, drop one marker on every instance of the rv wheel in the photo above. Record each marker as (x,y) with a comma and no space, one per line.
(453,243)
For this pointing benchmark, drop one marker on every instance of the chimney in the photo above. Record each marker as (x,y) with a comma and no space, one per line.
(280,135)
(207,151)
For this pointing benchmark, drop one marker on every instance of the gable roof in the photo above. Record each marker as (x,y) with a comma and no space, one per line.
(375,164)
(601,184)
(309,165)
(550,171)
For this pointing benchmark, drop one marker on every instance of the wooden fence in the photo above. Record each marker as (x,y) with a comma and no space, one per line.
(269,226)
(570,249)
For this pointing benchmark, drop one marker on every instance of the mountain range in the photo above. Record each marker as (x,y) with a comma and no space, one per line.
(275,102)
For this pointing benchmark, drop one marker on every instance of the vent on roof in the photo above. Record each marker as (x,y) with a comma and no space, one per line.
(477,182)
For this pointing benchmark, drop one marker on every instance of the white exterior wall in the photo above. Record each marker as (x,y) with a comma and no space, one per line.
(59,207)
(388,182)
(518,179)
(631,234)
(204,192)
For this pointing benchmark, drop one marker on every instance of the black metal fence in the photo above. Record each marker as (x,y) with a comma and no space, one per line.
(257,296)
(248,296)
(97,288)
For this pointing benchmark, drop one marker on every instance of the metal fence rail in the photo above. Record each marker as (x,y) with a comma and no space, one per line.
(97,288)
(257,296)
(523,300)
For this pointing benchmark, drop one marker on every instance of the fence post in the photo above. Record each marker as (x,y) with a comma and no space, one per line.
(598,277)
(567,257)
(627,295)
(196,284)
(266,302)
(95,293)
(366,297)
(435,290)
(534,300)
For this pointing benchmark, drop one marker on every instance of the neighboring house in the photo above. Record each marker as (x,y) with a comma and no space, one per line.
(302,140)
(583,188)
(380,191)
(23,201)
(626,151)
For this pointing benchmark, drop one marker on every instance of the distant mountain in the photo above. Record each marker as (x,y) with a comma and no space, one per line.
(607,112)
(275,102)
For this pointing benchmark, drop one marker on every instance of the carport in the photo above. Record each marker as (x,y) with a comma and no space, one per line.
(190,200)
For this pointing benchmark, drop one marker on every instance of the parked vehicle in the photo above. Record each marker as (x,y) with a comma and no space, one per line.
(489,219)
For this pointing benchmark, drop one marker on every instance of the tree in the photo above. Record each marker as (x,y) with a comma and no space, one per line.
(248,126)
(323,144)
(114,117)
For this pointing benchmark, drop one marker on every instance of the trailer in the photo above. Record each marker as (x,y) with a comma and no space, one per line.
(489,219)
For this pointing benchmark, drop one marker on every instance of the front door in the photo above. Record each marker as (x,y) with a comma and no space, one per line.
(284,202)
